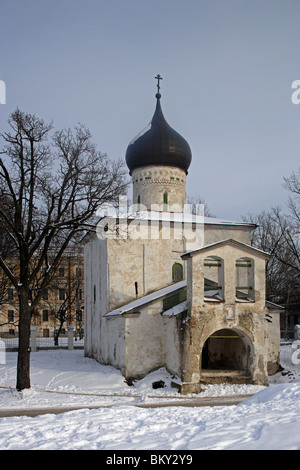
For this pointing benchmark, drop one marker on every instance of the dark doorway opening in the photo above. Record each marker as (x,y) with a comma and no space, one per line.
(225,350)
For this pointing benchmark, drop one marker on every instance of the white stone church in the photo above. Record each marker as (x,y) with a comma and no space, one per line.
(166,288)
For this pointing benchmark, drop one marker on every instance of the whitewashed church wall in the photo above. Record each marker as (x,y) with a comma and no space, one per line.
(113,343)
(104,339)
(125,268)
(215,233)
(95,295)
(139,267)
(87,300)
(173,345)
(92,321)
(145,341)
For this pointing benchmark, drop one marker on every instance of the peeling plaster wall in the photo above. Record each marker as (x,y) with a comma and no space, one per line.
(274,342)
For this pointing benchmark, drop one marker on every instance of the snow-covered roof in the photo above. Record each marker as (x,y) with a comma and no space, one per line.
(172,217)
(184,217)
(135,304)
(228,241)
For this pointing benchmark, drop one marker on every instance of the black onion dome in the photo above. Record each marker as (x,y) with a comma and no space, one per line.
(158,144)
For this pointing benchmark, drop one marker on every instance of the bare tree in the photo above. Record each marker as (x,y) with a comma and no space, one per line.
(271,235)
(69,290)
(50,190)
(196,200)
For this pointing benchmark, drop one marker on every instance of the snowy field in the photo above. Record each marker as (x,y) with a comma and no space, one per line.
(270,419)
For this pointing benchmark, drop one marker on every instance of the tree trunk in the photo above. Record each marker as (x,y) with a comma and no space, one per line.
(57,333)
(23,367)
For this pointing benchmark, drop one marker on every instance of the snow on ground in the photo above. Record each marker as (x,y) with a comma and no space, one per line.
(270,419)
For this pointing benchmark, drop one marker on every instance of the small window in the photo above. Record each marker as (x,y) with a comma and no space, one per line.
(62,294)
(177,272)
(61,271)
(138,202)
(213,278)
(78,272)
(10,294)
(45,315)
(165,200)
(45,294)
(244,279)
(79,294)
(10,316)
(79,315)
(46,333)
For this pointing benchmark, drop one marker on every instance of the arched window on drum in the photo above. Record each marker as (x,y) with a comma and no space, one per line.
(165,201)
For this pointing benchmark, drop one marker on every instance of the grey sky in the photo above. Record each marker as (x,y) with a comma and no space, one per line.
(227,68)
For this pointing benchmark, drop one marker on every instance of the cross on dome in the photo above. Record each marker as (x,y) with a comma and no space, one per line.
(158,78)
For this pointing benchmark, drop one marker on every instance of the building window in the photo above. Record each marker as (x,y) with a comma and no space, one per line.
(78,272)
(10,294)
(214,278)
(78,294)
(79,315)
(10,316)
(138,202)
(177,272)
(45,294)
(165,200)
(61,271)
(62,294)
(244,279)
(45,315)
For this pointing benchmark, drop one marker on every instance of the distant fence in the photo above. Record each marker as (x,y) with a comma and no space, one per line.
(68,341)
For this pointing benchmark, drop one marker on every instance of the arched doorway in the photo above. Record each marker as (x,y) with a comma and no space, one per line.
(226,353)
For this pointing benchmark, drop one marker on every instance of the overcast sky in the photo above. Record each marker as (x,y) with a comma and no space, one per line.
(227,68)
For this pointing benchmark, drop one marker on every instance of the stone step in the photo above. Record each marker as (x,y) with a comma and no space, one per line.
(211,376)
